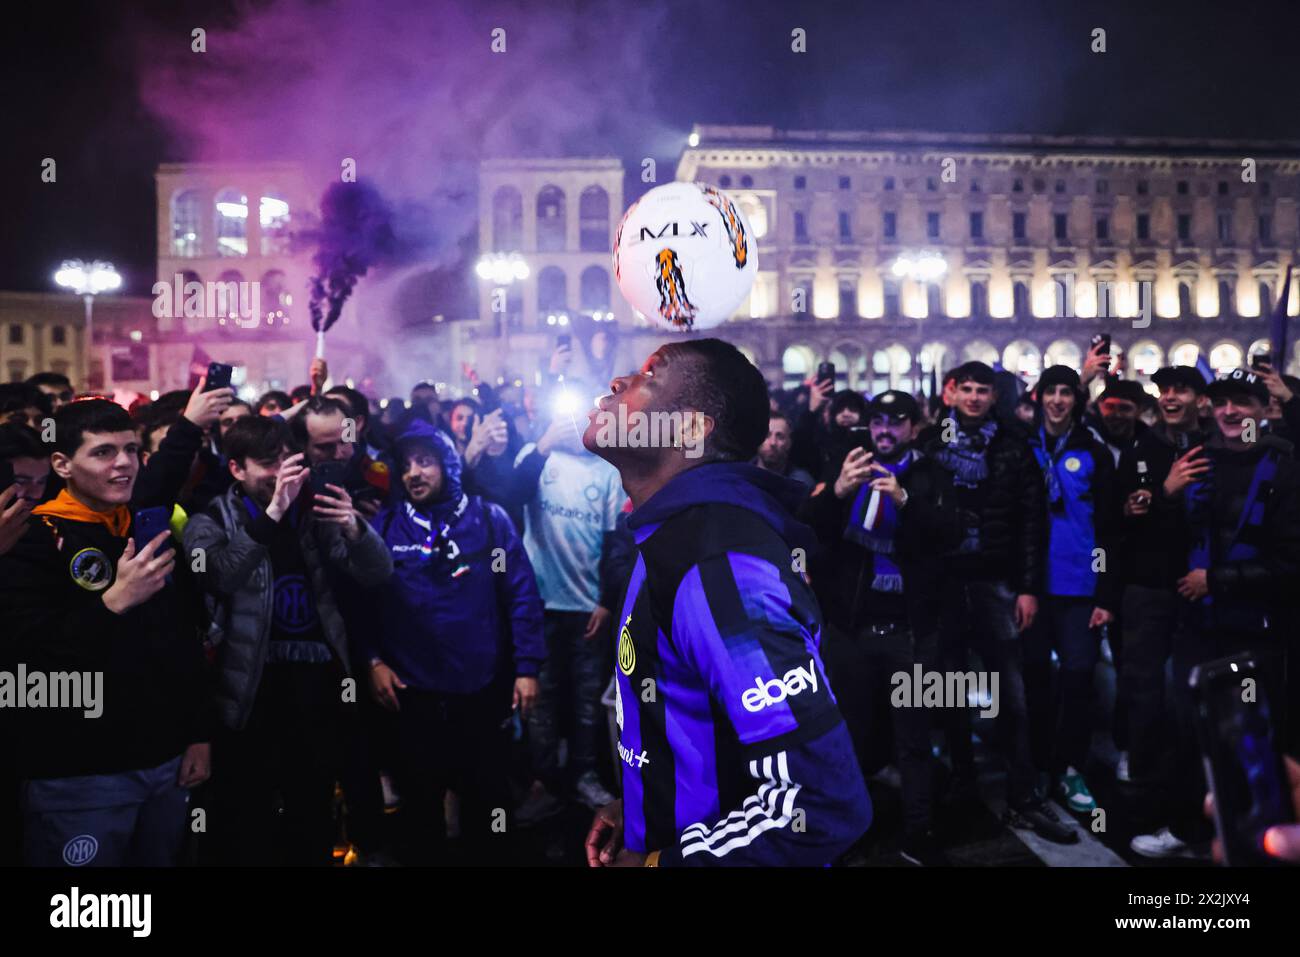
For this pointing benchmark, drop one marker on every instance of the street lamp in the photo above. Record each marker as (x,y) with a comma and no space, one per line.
(503,270)
(925,266)
(88,280)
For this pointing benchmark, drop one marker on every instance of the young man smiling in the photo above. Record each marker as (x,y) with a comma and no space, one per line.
(994,578)
(81,593)
(1162,462)
(1242,559)
(732,748)
(1079,596)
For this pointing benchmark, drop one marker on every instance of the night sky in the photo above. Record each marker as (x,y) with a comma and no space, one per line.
(411,89)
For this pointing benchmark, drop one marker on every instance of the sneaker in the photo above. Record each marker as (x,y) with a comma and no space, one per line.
(924,851)
(1162,845)
(591,792)
(1121,769)
(538,806)
(1074,792)
(1037,816)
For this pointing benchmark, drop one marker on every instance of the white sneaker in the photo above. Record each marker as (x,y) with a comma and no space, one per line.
(1161,844)
(1121,769)
(591,792)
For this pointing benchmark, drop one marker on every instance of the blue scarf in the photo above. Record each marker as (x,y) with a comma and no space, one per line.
(1048,453)
(873,522)
(966,455)
(1199,502)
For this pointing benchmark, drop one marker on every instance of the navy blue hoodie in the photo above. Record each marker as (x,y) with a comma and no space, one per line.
(462,607)
(732,745)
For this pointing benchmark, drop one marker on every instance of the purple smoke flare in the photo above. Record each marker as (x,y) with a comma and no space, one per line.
(354,234)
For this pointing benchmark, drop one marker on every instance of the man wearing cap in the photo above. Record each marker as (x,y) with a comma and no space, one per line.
(883,529)
(1115,418)
(993,578)
(1079,592)
(1242,561)
(1151,561)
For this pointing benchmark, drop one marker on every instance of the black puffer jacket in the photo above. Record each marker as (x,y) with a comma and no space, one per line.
(928,526)
(1013,517)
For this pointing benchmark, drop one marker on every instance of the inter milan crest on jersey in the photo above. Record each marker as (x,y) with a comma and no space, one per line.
(626,650)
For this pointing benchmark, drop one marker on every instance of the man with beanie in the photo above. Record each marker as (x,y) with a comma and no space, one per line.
(1079,592)
(459,643)
(1242,558)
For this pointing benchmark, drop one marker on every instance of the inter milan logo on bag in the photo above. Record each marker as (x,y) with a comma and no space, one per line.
(80,850)
(626,650)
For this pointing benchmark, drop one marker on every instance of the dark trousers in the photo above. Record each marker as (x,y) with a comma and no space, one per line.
(980,615)
(1060,706)
(1149,620)
(458,742)
(366,752)
(571,680)
(862,668)
(273,782)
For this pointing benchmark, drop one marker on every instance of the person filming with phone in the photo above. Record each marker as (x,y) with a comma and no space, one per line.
(275,551)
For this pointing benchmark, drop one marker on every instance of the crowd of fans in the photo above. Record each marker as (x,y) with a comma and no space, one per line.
(352,610)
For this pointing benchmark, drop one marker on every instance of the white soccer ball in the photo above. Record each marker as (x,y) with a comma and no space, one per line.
(684,256)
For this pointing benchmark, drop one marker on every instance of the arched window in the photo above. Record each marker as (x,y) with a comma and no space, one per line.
(550,220)
(796,366)
(1184,354)
(1022,358)
(276,299)
(1227,301)
(594,290)
(1185,298)
(273,217)
(1145,358)
(848,299)
(979,298)
(1225,357)
(507,220)
(1064,352)
(1258,347)
(593,220)
(227,294)
(552,291)
(187,213)
(232,223)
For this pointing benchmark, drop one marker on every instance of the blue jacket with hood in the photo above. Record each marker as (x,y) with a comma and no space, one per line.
(457,614)
(733,748)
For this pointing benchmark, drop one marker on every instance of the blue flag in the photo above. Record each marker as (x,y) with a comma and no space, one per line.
(1277,328)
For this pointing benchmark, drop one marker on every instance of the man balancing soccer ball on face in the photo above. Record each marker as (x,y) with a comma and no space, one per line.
(733,749)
